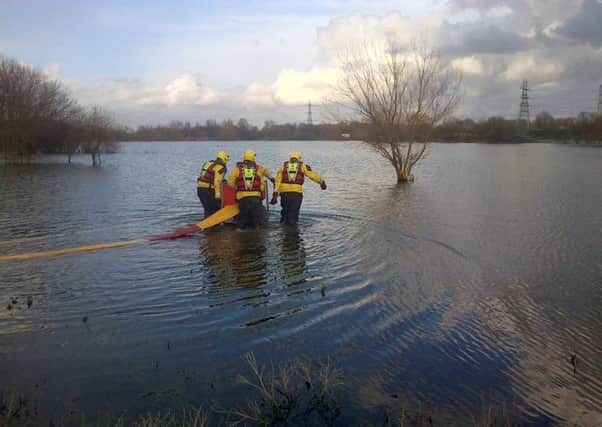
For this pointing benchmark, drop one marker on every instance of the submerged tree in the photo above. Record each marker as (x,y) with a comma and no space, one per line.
(37,115)
(98,134)
(32,111)
(401,95)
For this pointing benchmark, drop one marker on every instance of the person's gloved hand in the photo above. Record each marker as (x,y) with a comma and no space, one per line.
(274,198)
(272,180)
(323,185)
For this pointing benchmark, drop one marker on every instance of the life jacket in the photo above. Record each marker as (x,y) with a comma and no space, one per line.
(208,172)
(248,177)
(292,173)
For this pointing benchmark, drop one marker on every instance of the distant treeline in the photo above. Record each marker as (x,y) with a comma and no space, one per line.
(585,128)
(242,130)
(38,116)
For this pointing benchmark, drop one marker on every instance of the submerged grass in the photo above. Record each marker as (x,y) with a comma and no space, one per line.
(490,416)
(14,414)
(295,394)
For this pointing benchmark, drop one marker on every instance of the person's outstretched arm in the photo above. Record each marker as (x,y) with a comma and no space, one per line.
(308,172)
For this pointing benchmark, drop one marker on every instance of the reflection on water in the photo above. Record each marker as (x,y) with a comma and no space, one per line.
(235,258)
(476,285)
(292,257)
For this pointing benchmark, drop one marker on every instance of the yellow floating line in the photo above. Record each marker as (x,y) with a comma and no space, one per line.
(220,216)
(67,251)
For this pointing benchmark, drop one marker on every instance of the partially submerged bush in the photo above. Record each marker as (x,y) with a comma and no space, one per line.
(295,394)
(291,394)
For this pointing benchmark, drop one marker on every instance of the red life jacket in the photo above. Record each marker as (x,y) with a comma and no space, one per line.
(292,175)
(248,177)
(208,172)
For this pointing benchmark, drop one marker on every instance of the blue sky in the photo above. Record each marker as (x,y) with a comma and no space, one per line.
(159,39)
(154,61)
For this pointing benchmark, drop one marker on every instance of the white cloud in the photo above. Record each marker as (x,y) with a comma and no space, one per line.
(257,94)
(485,40)
(468,64)
(537,69)
(298,87)
(186,89)
(354,30)
(499,12)
(551,29)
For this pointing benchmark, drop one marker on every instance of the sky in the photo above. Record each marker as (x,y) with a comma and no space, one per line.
(150,62)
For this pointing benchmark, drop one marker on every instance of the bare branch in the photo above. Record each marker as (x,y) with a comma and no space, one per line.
(401,95)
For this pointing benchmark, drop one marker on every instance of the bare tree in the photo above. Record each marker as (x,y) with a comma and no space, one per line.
(99,134)
(32,111)
(19,90)
(401,95)
(75,133)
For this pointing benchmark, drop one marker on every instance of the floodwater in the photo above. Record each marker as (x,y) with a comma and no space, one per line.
(476,285)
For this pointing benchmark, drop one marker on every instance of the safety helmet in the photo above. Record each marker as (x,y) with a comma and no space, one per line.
(222,155)
(249,155)
(295,155)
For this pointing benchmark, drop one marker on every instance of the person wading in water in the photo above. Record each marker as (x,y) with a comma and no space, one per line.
(209,183)
(289,183)
(247,179)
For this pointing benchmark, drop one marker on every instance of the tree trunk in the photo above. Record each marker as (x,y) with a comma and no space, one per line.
(404,175)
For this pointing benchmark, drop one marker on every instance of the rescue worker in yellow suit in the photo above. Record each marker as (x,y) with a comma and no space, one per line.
(247,179)
(209,183)
(289,183)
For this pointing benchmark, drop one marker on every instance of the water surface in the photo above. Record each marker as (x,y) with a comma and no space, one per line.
(472,286)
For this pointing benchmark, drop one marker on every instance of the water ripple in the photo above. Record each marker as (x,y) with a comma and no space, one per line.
(467,288)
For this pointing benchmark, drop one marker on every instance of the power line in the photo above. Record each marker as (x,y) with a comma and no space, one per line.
(309,119)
